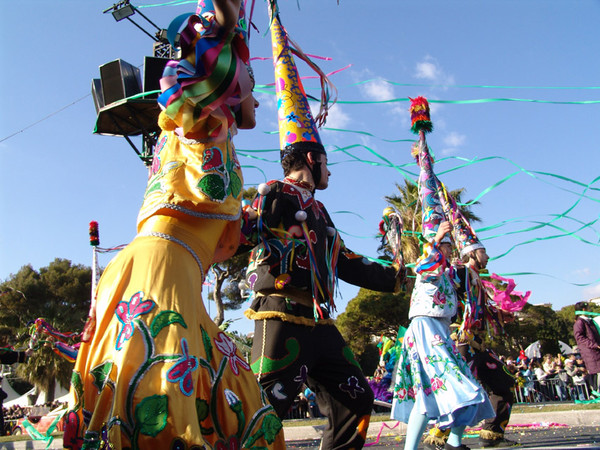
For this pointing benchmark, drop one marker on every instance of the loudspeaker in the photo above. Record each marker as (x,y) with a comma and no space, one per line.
(97,94)
(119,80)
(153,70)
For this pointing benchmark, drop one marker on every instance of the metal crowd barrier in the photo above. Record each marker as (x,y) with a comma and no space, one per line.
(551,390)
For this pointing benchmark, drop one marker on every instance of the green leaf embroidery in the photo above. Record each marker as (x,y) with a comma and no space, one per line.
(207,344)
(151,415)
(101,374)
(235,184)
(165,318)
(213,186)
(202,411)
(77,389)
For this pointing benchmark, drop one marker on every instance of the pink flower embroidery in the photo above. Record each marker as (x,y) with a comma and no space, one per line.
(401,394)
(156,160)
(410,342)
(228,348)
(182,370)
(436,384)
(437,340)
(127,311)
(411,392)
(439,298)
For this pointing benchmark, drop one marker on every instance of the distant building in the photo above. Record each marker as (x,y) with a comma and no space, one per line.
(595,301)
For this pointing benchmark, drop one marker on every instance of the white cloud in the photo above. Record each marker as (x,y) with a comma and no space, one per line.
(430,70)
(337,118)
(378,90)
(427,70)
(454,139)
(592,291)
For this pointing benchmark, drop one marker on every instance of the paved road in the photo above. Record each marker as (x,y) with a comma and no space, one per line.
(563,438)
(534,431)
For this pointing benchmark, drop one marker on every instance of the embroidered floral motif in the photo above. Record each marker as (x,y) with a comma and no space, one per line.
(156,159)
(182,370)
(301,377)
(271,426)
(437,384)
(228,348)
(233,443)
(221,178)
(352,387)
(127,311)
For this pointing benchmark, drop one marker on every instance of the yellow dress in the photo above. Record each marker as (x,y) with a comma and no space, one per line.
(155,371)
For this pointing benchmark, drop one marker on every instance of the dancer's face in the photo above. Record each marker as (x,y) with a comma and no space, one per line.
(446,250)
(246,116)
(325,173)
(481,258)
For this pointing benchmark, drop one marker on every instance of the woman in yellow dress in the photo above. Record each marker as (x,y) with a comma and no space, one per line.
(154,371)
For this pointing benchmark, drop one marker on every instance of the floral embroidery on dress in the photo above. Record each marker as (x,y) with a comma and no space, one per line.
(228,348)
(182,370)
(127,311)
(352,387)
(220,178)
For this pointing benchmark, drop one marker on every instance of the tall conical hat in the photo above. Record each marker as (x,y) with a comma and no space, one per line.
(297,127)
(437,204)
(432,211)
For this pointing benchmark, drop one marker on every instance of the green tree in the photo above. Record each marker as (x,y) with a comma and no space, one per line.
(228,274)
(535,323)
(226,293)
(369,315)
(60,293)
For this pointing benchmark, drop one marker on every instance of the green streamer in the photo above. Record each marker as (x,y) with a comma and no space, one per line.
(470,86)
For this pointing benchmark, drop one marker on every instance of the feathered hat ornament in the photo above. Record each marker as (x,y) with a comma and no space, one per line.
(419,115)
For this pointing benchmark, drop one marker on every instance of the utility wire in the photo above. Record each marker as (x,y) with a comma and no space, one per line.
(44,118)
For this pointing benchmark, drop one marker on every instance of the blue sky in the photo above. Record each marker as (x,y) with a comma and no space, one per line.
(56,176)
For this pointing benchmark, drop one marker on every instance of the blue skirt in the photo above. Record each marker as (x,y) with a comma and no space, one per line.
(433,377)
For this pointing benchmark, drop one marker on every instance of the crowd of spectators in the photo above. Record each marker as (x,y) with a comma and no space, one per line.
(15,412)
(551,378)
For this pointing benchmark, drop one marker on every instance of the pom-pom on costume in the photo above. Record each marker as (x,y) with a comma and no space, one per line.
(433,381)
(293,272)
(157,372)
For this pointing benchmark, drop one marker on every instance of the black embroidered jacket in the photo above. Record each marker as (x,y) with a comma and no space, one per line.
(300,251)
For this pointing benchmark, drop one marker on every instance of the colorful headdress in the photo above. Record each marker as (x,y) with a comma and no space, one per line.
(465,237)
(430,187)
(297,127)
(200,90)
(437,204)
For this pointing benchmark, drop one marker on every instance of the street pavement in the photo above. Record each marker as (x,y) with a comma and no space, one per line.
(564,430)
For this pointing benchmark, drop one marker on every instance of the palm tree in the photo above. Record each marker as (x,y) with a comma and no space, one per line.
(408,204)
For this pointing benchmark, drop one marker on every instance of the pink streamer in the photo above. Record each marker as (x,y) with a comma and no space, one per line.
(502,296)
(383,425)
(538,425)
